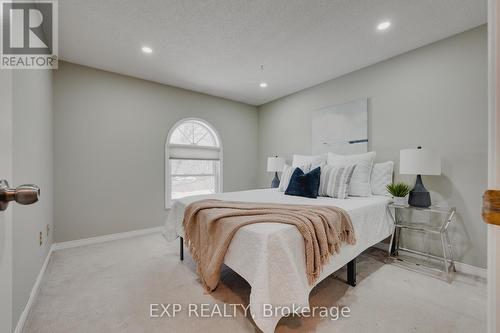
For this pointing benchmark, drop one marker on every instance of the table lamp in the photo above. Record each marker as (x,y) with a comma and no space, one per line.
(419,162)
(275,164)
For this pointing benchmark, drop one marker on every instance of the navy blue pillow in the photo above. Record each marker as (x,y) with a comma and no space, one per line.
(304,185)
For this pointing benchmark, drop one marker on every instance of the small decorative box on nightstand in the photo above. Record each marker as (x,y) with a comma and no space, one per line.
(400,223)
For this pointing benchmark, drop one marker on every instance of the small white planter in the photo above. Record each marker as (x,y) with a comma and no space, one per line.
(401,201)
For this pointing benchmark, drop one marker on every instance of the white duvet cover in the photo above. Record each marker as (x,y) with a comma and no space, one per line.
(270,256)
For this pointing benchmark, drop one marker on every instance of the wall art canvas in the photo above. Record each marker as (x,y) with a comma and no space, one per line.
(341,129)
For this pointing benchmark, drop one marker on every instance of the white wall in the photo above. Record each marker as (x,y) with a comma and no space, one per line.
(435,96)
(32,163)
(110,132)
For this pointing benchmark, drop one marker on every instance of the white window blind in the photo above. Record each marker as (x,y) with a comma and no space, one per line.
(193,160)
(185,152)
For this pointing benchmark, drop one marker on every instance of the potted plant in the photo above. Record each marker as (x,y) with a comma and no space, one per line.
(399,192)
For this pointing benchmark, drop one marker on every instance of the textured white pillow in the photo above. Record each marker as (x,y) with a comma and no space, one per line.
(334,182)
(360,181)
(287,174)
(313,161)
(381,177)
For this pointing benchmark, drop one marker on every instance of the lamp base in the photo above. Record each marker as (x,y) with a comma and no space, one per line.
(276,181)
(419,196)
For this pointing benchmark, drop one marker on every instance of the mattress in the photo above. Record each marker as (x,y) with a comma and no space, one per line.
(270,256)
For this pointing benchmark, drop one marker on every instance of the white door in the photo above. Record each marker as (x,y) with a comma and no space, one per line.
(494,163)
(5,216)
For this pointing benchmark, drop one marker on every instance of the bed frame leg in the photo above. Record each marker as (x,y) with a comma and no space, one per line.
(351,273)
(181,248)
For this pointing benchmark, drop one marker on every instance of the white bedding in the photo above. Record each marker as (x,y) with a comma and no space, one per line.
(270,256)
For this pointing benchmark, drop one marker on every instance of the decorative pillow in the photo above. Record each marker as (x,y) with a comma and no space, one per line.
(304,185)
(334,182)
(360,181)
(381,177)
(287,174)
(313,161)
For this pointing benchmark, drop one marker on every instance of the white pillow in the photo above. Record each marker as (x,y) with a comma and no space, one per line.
(334,182)
(360,181)
(287,174)
(381,177)
(313,161)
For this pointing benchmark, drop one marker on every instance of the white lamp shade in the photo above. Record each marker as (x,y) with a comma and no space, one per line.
(419,162)
(275,164)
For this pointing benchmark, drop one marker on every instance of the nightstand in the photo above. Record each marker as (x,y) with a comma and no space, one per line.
(401,222)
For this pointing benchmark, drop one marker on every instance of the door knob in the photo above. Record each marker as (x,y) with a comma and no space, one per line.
(24,194)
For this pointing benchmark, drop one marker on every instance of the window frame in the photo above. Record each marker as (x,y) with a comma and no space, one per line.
(167,172)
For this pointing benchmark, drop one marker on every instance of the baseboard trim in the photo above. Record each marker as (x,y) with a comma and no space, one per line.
(34,292)
(461,267)
(471,270)
(105,238)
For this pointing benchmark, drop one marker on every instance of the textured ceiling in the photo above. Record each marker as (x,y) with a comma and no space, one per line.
(218,46)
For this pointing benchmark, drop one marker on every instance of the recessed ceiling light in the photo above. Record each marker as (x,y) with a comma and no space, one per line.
(263,84)
(147,49)
(383,25)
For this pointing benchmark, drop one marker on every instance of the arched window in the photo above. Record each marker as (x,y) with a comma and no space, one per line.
(193,159)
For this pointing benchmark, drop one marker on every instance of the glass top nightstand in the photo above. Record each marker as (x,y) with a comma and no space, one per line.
(448,215)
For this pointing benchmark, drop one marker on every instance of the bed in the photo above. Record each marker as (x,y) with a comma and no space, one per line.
(270,256)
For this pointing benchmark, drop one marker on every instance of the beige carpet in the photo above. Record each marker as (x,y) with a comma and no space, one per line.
(108,287)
